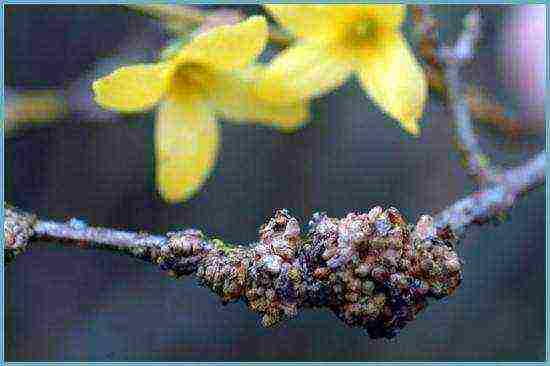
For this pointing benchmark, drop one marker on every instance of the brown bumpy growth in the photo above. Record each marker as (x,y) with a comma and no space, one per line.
(373,270)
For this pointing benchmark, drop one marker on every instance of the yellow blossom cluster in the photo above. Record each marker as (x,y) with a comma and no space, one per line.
(217,75)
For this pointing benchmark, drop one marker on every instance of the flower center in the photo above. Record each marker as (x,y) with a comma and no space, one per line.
(190,78)
(362,33)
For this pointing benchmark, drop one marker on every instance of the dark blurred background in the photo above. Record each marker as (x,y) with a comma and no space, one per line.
(70,304)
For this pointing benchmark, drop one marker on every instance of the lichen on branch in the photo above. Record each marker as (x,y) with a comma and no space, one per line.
(373,270)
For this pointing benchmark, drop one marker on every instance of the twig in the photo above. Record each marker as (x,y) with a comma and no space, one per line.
(477,164)
(86,236)
(31,108)
(484,108)
(475,161)
(372,270)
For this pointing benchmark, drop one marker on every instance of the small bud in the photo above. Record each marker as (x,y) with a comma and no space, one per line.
(425,228)
(292,229)
(367,287)
(18,228)
(363,270)
(374,213)
(329,253)
(395,216)
(383,224)
(271,263)
(453,265)
(321,273)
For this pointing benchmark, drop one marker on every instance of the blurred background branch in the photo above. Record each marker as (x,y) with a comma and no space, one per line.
(484,107)
(476,163)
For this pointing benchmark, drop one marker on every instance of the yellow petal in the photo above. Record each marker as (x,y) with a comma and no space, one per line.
(396,82)
(132,88)
(303,71)
(310,21)
(235,97)
(228,46)
(186,143)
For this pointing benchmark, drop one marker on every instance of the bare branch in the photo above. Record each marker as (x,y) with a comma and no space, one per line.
(477,164)
(483,107)
(86,236)
(505,187)
(482,206)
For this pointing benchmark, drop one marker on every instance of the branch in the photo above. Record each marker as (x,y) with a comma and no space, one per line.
(78,231)
(485,205)
(484,108)
(373,270)
(477,164)
(177,19)
(504,187)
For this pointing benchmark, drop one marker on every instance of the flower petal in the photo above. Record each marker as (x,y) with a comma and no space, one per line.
(396,82)
(303,71)
(228,46)
(186,144)
(235,97)
(132,88)
(310,21)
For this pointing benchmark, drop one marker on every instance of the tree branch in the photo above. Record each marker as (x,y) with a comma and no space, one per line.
(477,164)
(484,108)
(482,206)
(373,270)
(86,236)
(505,187)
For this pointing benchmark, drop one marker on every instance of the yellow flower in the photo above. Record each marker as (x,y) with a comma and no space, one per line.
(208,78)
(334,41)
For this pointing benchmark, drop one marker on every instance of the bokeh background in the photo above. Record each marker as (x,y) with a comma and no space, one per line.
(70,304)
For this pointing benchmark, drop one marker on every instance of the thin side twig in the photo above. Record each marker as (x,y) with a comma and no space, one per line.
(477,164)
(475,161)
(484,107)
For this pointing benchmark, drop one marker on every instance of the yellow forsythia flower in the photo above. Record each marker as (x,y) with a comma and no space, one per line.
(335,40)
(209,77)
